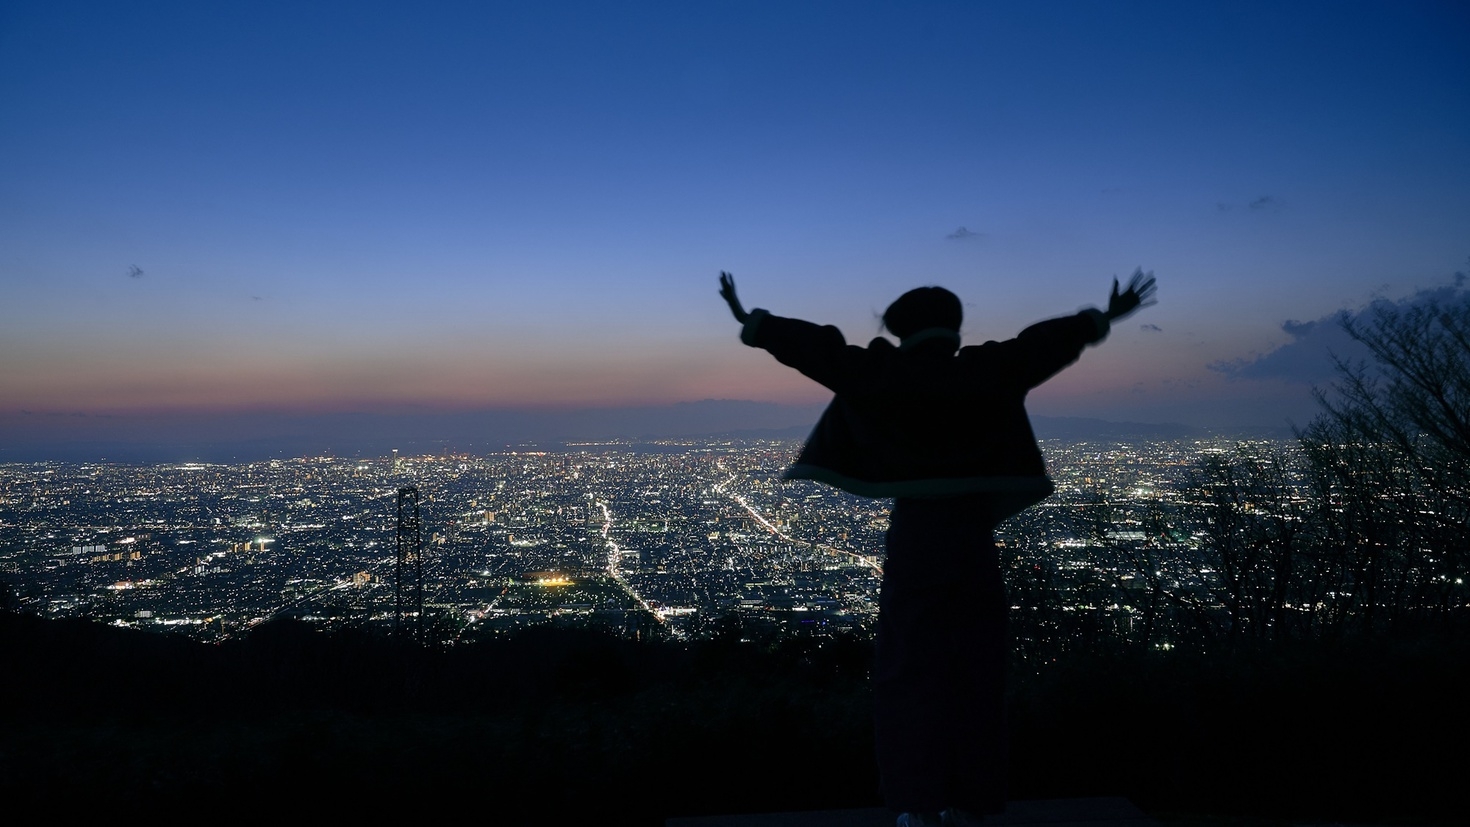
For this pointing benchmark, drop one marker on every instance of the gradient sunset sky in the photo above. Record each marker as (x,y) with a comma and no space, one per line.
(303,208)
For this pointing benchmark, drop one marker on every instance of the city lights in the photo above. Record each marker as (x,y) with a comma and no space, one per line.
(599,535)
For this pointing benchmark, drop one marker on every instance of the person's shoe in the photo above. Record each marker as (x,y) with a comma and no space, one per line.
(955,817)
(920,820)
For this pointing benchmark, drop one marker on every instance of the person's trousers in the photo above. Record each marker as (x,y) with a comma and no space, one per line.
(939,678)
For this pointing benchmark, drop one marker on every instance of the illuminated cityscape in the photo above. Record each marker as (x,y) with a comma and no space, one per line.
(663,538)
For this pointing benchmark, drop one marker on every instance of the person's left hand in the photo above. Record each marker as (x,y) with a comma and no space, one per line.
(1140,293)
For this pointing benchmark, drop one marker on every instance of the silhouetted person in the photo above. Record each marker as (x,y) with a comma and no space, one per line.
(943,430)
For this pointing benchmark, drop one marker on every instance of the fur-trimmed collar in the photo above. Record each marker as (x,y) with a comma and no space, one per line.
(929,333)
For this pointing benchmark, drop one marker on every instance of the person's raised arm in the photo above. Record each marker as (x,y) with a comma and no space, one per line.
(1043,349)
(727,292)
(1140,293)
(819,351)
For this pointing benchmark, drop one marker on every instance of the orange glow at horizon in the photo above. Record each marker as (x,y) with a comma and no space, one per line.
(215,379)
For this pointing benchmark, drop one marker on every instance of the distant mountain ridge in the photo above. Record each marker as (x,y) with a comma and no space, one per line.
(1073,429)
(1083,428)
(241,437)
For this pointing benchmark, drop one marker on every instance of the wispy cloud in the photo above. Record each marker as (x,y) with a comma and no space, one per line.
(1264,203)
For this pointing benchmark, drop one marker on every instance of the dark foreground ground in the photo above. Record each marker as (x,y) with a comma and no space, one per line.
(556,726)
(1066,812)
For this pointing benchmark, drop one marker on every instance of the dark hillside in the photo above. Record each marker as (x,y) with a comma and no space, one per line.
(553,725)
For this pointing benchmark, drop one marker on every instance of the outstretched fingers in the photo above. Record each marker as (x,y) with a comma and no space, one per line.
(1141,284)
(727,292)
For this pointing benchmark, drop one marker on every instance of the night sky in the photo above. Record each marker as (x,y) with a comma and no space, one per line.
(215,211)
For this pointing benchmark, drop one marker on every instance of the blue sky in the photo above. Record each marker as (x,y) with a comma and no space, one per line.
(367,207)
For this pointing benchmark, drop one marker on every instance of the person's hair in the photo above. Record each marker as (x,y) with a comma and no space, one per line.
(922,308)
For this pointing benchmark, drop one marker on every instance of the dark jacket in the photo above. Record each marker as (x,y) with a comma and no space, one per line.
(923,419)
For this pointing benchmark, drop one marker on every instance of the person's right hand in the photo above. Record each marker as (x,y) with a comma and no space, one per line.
(727,292)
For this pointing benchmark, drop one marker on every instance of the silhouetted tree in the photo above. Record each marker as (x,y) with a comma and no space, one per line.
(1390,461)
(1251,527)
